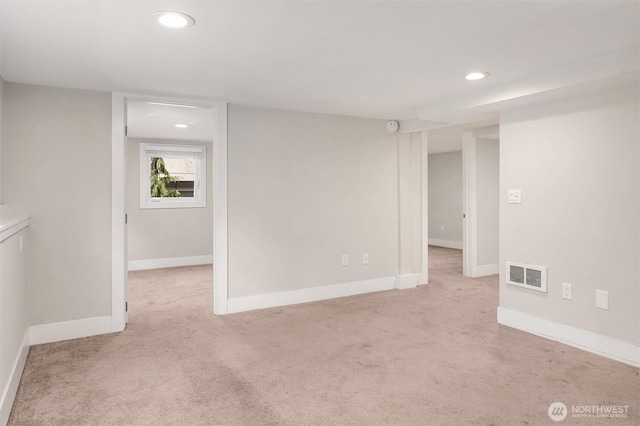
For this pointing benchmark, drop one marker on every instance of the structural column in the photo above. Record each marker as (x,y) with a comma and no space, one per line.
(410,211)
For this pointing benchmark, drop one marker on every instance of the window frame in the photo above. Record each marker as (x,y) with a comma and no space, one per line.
(199,153)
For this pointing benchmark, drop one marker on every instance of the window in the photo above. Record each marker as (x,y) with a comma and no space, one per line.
(173,176)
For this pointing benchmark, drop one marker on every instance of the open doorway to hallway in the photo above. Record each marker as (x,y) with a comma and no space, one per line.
(464,185)
(481,201)
(447,261)
(445,199)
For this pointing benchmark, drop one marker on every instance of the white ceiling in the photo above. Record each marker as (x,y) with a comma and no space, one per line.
(157,121)
(391,60)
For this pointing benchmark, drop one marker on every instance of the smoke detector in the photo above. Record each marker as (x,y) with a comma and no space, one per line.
(392,126)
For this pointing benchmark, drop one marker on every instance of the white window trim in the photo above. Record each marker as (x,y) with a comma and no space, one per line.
(200,176)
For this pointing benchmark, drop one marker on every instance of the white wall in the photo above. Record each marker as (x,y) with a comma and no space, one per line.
(2,83)
(185,232)
(488,200)
(57,165)
(303,190)
(445,197)
(576,162)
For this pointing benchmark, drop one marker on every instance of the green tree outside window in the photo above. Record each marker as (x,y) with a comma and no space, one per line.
(160,178)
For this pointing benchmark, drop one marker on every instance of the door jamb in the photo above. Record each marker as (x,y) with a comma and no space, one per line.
(424,186)
(470,199)
(469,205)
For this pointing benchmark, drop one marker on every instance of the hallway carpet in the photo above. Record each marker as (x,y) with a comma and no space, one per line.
(426,356)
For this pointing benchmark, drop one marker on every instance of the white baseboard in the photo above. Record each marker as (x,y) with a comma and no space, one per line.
(66,330)
(407,281)
(311,294)
(484,270)
(170,262)
(424,278)
(610,347)
(11,387)
(445,243)
(46,333)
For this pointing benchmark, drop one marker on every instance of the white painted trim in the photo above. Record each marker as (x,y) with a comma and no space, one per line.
(470,205)
(12,224)
(470,267)
(310,294)
(118,210)
(66,330)
(484,270)
(445,243)
(9,393)
(170,262)
(403,154)
(600,344)
(220,230)
(14,229)
(424,189)
(407,281)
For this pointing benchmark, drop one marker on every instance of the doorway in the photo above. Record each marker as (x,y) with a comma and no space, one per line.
(445,199)
(481,201)
(216,116)
(463,194)
(168,202)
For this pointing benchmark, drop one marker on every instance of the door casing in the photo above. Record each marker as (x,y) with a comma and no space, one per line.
(218,180)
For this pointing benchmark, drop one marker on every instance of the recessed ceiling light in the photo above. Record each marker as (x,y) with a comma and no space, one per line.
(171,19)
(181,126)
(476,75)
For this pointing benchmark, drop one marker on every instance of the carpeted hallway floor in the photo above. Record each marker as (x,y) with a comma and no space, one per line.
(425,356)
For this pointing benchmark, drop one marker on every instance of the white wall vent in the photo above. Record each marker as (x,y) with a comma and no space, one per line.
(527,276)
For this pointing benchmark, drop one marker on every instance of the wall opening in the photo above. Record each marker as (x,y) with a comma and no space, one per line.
(144,239)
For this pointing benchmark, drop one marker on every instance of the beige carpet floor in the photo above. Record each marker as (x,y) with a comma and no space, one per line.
(425,356)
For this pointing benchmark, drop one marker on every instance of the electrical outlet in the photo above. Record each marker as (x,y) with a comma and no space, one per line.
(515,196)
(566,291)
(345,260)
(365,258)
(602,299)
(442,227)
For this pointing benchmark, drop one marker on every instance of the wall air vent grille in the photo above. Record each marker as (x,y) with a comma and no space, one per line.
(527,276)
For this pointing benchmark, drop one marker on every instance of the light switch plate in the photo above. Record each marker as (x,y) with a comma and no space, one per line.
(515,196)
(602,299)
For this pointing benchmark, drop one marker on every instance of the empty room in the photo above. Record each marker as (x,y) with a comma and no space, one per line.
(319,213)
